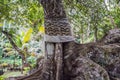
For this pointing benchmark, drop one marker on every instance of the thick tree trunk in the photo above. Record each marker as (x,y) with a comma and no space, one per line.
(57,27)
(55,58)
(58,31)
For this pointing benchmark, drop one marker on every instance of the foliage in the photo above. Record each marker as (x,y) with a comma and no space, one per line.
(10,61)
(91,19)
(2,78)
(27,69)
(21,15)
(27,35)
(41,29)
(21,19)
(32,61)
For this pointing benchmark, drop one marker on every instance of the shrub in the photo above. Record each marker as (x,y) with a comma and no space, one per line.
(2,78)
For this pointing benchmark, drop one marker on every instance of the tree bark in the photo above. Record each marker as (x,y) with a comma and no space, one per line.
(57,27)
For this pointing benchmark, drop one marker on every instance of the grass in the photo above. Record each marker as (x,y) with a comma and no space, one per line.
(12,74)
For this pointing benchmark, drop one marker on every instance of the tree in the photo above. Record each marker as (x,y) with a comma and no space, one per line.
(66,60)
(58,55)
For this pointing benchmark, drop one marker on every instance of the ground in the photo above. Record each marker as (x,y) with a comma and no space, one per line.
(11,74)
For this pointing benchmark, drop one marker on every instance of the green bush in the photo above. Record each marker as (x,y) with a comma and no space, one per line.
(32,61)
(2,78)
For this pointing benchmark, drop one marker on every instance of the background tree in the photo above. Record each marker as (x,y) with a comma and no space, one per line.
(16,14)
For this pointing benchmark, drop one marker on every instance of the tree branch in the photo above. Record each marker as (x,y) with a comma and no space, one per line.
(9,36)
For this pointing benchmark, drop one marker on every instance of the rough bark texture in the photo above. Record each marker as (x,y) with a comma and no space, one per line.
(57,27)
(66,60)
